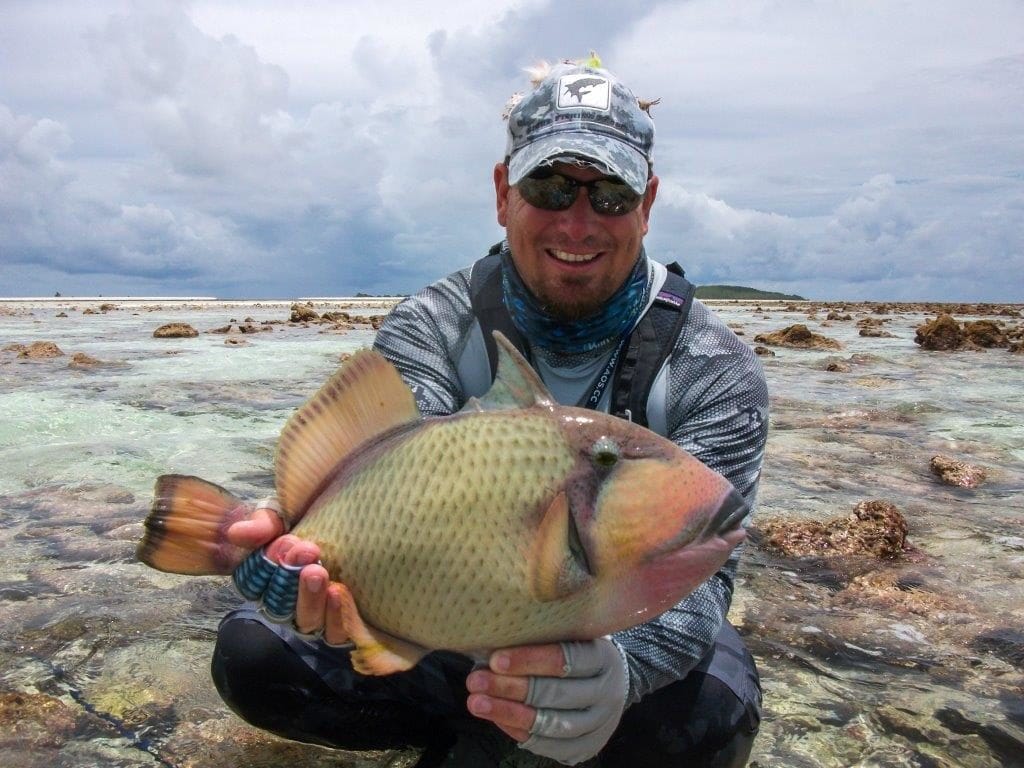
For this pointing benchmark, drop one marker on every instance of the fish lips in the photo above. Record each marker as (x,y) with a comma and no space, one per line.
(725,524)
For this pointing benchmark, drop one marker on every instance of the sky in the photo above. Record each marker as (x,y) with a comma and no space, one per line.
(839,149)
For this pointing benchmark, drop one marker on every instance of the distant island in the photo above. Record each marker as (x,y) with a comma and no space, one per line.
(741,292)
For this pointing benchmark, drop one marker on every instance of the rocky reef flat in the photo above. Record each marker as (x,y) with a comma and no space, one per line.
(880,590)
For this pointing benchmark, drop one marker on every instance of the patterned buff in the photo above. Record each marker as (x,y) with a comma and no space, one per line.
(568,337)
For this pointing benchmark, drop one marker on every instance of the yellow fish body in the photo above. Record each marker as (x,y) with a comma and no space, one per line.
(513,521)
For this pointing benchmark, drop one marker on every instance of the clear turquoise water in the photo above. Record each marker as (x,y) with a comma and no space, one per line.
(918,674)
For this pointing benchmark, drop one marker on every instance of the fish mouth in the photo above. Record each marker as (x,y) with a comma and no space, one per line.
(727,519)
(729,515)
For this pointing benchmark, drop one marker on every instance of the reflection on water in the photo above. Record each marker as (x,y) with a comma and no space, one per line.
(916,662)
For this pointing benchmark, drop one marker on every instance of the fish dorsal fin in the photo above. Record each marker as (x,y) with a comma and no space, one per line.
(516,384)
(363,399)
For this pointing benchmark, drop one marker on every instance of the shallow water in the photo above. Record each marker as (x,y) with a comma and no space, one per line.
(918,662)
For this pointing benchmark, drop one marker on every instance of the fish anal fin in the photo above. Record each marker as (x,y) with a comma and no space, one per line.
(376,652)
(516,384)
(554,571)
(364,399)
(186,530)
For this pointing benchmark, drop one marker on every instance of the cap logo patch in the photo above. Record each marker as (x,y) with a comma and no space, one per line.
(583,90)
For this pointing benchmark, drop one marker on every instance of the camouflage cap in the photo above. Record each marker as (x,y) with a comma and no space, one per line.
(581,112)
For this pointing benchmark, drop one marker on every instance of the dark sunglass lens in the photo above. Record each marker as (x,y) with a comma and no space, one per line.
(549,191)
(613,198)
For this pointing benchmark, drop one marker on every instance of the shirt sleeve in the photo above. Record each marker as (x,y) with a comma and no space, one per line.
(423,336)
(717,411)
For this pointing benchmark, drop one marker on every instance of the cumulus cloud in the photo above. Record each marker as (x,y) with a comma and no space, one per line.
(208,105)
(833,150)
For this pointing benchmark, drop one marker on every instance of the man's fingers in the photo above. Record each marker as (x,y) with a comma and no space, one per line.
(540,660)
(512,717)
(500,686)
(300,552)
(278,549)
(334,628)
(262,527)
(312,600)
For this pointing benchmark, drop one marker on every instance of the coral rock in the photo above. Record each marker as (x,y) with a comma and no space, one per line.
(797,336)
(941,334)
(984,333)
(39,350)
(302,313)
(958,473)
(175,331)
(875,528)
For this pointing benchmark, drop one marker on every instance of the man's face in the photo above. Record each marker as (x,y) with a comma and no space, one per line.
(571,260)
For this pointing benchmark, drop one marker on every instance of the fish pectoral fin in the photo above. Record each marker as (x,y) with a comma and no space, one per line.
(376,652)
(555,570)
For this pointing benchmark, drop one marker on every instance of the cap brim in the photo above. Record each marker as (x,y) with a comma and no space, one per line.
(614,157)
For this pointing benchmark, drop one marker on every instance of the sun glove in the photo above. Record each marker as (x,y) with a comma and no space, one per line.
(577,713)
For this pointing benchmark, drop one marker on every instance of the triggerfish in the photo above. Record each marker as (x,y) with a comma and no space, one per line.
(513,521)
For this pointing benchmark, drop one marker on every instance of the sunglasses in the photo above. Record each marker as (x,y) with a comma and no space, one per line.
(552,191)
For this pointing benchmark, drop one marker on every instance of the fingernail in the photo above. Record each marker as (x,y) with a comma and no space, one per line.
(500,662)
(314,584)
(475,683)
(479,705)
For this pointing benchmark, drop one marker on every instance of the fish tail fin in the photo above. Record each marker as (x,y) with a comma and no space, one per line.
(186,530)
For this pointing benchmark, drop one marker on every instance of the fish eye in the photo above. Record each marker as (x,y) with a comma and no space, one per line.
(605,452)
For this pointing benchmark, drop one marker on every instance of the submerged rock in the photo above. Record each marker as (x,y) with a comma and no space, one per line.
(82,360)
(875,528)
(958,473)
(1006,643)
(798,336)
(837,366)
(34,720)
(872,322)
(175,331)
(337,317)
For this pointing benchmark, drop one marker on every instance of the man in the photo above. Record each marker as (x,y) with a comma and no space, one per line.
(572,285)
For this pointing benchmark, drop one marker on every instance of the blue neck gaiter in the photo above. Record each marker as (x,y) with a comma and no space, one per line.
(616,318)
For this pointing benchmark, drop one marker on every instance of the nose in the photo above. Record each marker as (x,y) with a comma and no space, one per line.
(577,221)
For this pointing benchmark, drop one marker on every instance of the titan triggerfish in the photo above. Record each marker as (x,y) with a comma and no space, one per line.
(513,521)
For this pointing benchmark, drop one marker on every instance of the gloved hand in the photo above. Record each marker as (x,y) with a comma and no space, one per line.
(568,711)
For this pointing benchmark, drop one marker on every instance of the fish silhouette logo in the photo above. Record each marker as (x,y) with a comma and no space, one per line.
(583,90)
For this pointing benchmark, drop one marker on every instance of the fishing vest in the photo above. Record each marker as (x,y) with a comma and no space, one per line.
(648,347)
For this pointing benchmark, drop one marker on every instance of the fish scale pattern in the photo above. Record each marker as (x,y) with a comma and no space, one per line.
(717,409)
(460,498)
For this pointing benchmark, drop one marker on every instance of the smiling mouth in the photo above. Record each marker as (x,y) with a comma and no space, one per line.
(572,258)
